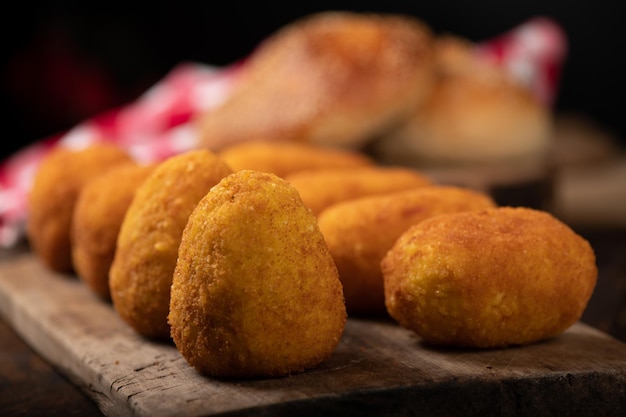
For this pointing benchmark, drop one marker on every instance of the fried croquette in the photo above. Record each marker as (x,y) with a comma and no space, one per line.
(53,194)
(489,278)
(147,245)
(359,233)
(98,216)
(255,291)
(322,188)
(284,157)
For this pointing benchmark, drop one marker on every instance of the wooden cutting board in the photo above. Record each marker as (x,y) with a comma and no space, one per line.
(377,369)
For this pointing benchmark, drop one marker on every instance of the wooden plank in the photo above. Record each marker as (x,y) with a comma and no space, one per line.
(29,385)
(378,367)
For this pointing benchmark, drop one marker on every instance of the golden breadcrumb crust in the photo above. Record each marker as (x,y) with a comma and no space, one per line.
(255,290)
(147,245)
(53,194)
(359,233)
(322,188)
(489,278)
(98,216)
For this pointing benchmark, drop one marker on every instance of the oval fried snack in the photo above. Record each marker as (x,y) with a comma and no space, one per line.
(283,157)
(489,278)
(52,197)
(322,188)
(147,245)
(359,233)
(255,290)
(98,216)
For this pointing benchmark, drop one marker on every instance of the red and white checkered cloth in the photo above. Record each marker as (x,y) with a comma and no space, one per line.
(532,53)
(156,126)
(152,128)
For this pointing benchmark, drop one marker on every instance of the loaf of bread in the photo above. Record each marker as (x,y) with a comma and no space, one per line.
(331,78)
(476,113)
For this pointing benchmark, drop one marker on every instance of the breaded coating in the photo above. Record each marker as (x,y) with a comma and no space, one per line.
(147,245)
(322,188)
(284,157)
(255,290)
(359,233)
(98,216)
(52,197)
(489,278)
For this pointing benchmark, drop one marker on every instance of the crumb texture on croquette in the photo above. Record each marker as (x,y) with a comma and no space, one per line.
(285,157)
(53,194)
(489,278)
(323,188)
(359,232)
(147,245)
(255,291)
(97,218)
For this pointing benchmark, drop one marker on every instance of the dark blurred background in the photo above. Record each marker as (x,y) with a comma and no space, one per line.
(63,62)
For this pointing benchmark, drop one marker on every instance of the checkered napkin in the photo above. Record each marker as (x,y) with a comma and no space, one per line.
(157,125)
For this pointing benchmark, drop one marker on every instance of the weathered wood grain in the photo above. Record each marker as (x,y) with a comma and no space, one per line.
(377,369)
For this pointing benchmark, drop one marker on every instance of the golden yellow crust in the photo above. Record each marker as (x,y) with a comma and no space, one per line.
(98,216)
(52,197)
(335,78)
(255,290)
(489,278)
(147,245)
(322,188)
(359,233)
(283,158)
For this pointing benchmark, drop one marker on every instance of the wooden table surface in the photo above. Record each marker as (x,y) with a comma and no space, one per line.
(29,384)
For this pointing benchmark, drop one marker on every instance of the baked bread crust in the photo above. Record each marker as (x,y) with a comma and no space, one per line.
(332,78)
(476,113)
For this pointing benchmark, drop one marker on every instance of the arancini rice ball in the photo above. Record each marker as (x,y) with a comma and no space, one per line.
(53,194)
(321,188)
(285,157)
(147,244)
(489,278)
(359,233)
(98,215)
(255,291)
